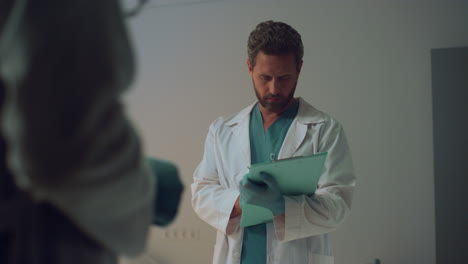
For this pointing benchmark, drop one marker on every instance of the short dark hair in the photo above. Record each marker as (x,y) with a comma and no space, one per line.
(275,38)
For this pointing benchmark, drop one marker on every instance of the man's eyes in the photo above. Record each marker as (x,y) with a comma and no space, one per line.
(269,78)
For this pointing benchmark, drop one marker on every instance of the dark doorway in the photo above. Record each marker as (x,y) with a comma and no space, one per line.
(450,124)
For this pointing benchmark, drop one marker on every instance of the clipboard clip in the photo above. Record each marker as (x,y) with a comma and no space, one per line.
(272,158)
(289,158)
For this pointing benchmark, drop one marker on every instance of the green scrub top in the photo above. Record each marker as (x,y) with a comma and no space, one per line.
(264,147)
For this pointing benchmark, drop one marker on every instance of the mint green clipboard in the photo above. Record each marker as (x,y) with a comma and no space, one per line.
(295,176)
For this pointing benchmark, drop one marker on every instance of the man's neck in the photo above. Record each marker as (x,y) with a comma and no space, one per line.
(269,117)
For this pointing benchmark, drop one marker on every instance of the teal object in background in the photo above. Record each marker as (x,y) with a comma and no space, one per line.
(169,190)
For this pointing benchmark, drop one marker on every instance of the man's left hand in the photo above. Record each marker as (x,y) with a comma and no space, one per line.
(265,194)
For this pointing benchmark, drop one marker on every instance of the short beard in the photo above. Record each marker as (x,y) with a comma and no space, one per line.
(275,107)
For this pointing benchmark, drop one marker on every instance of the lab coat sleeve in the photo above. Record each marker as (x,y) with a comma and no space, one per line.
(327,209)
(211,201)
(69,141)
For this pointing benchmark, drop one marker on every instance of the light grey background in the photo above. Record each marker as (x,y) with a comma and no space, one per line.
(367,63)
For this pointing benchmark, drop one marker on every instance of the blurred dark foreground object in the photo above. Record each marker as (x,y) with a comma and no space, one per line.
(38,233)
(74,187)
(169,190)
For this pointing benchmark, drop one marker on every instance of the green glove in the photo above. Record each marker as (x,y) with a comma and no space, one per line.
(168,191)
(265,194)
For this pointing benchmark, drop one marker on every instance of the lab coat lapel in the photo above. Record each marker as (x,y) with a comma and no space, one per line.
(240,128)
(294,137)
(306,115)
(241,131)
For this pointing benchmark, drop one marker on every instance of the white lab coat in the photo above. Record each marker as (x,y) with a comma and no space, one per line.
(300,236)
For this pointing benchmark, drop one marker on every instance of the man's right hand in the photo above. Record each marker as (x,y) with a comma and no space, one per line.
(265,193)
(236,210)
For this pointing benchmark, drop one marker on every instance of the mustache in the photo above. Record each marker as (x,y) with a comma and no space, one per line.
(268,96)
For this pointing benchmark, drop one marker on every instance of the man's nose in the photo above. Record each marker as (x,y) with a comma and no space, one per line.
(275,87)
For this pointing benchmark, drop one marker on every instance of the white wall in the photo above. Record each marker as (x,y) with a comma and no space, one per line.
(366,62)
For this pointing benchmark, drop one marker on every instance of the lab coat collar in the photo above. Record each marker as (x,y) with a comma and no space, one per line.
(307,114)
(242,116)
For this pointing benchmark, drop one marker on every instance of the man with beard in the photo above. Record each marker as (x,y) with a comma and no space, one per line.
(278,126)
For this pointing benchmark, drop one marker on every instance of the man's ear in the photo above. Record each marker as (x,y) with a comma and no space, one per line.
(249,66)
(299,67)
